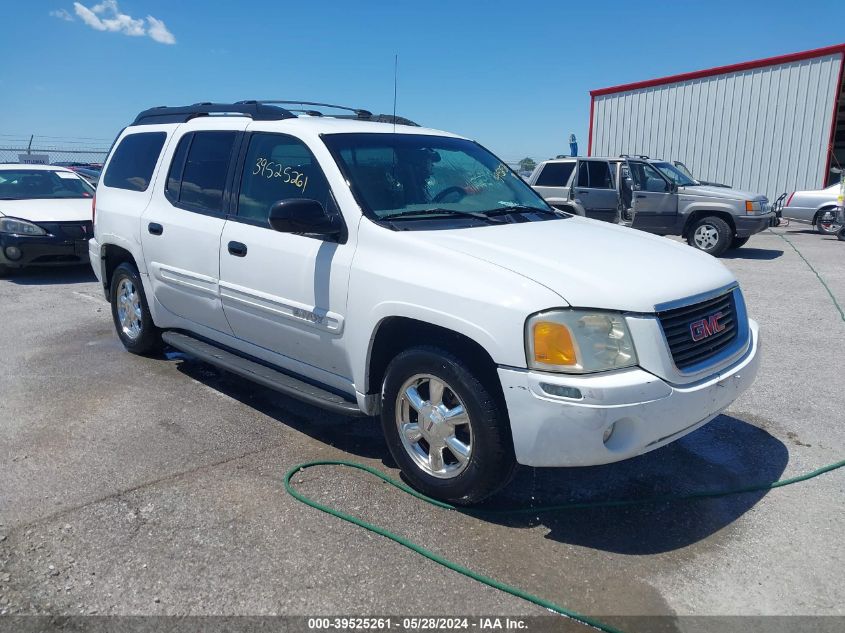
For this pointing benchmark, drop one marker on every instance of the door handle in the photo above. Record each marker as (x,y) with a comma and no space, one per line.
(237,249)
(641,195)
(582,192)
(155,228)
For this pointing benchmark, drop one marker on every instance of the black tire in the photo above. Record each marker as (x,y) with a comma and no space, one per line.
(148,340)
(739,242)
(4,270)
(841,234)
(491,462)
(721,235)
(828,227)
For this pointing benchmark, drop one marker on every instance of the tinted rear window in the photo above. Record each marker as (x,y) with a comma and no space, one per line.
(204,175)
(555,175)
(599,175)
(131,166)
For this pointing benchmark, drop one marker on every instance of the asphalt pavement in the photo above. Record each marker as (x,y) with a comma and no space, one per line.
(137,486)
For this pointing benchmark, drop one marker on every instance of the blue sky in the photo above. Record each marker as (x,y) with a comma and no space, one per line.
(515,76)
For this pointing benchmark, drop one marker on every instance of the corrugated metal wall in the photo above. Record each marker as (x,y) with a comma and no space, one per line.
(764,129)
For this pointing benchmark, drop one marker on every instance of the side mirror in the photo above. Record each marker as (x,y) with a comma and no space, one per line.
(301,215)
(673,187)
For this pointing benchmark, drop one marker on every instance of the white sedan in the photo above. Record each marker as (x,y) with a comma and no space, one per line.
(45,216)
(814,207)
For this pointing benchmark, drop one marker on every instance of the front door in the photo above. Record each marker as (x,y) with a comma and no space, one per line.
(595,190)
(285,292)
(655,203)
(180,230)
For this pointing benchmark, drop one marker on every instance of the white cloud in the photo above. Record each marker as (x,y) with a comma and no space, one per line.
(62,14)
(106,16)
(158,31)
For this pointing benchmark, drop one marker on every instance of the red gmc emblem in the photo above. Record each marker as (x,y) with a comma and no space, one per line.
(708,326)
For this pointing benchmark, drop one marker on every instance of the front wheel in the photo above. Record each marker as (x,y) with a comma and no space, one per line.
(711,235)
(445,427)
(841,234)
(131,314)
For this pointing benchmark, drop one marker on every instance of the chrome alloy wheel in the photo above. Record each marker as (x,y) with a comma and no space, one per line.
(706,237)
(129,308)
(434,426)
(827,223)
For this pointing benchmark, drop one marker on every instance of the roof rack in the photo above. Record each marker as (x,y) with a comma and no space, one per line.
(359,114)
(642,156)
(268,110)
(179,114)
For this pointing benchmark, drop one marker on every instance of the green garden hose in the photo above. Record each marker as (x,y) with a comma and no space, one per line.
(492,582)
(515,591)
(815,272)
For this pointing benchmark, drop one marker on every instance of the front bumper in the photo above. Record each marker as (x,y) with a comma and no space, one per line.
(64,245)
(748,225)
(646,412)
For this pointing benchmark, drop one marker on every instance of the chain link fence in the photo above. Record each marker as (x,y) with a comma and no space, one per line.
(55,150)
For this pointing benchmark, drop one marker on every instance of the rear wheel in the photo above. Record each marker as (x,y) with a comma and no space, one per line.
(447,430)
(739,242)
(131,314)
(710,234)
(826,222)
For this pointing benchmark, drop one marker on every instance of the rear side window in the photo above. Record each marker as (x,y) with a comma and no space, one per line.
(177,165)
(199,168)
(595,174)
(555,175)
(132,164)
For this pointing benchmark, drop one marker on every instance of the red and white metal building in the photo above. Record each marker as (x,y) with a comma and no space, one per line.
(769,126)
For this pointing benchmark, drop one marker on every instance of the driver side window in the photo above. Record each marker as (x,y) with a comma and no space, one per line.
(647,178)
(278,167)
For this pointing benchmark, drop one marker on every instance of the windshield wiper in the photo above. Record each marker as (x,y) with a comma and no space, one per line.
(521,208)
(420,213)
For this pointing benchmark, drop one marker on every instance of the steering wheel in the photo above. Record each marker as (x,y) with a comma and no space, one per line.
(448,191)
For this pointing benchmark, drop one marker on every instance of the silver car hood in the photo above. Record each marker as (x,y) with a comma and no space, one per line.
(723,193)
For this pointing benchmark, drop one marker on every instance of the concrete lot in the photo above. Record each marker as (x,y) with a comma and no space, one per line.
(144,486)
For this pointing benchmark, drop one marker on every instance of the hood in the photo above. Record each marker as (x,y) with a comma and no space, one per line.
(723,193)
(48,210)
(591,264)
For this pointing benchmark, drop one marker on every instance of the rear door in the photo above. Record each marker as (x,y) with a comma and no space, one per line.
(180,230)
(655,201)
(596,191)
(553,182)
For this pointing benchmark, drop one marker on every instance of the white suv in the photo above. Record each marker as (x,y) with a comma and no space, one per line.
(381,269)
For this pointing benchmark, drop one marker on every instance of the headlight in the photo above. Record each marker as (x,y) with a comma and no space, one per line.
(754,207)
(20,227)
(578,341)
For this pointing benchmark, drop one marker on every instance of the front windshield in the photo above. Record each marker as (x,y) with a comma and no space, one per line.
(412,175)
(675,175)
(30,184)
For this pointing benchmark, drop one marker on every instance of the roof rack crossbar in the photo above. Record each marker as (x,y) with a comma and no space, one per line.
(361,112)
(180,114)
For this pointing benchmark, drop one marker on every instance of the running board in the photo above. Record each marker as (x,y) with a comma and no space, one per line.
(261,374)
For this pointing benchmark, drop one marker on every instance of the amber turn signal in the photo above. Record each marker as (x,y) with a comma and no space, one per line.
(553,344)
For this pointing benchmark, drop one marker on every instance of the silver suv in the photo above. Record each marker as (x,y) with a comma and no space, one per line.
(654,196)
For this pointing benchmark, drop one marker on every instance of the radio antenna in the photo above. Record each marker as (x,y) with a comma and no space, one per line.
(395,82)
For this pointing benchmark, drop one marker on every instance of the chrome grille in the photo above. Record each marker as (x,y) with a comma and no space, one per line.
(679,323)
